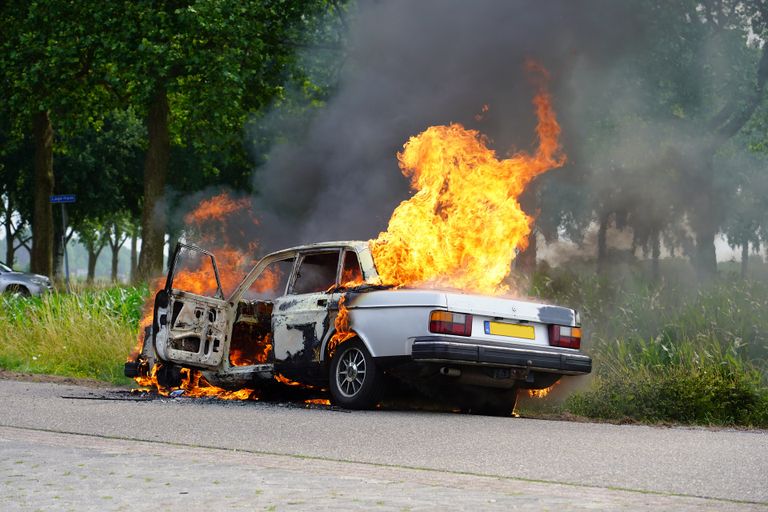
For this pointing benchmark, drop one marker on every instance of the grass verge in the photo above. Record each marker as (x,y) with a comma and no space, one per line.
(670,353)
(87,334)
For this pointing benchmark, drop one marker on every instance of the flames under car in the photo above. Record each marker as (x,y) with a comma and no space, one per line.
(310,314)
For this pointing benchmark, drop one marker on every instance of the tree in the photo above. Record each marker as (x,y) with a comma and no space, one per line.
(711,103)
(657,124)
(101,164)
(15,190)
(45,59)
(119,231)
(94,236)
(194,69)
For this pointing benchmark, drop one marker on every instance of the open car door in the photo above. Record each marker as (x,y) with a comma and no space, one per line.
(191,316)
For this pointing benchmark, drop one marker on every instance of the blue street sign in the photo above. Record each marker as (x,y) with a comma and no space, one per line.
(65,198)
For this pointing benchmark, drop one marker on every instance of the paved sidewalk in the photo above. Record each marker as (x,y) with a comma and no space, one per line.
(51,471)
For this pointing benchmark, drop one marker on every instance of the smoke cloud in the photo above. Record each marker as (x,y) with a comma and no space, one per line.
(411,65)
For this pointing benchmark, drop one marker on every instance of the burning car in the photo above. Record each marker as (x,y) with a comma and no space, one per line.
(424,303)
(318,315)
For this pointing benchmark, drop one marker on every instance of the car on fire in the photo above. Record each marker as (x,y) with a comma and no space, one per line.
(282,317)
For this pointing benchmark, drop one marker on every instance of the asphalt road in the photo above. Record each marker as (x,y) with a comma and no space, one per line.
(523,463)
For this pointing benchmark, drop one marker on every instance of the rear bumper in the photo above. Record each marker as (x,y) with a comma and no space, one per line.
(547,359)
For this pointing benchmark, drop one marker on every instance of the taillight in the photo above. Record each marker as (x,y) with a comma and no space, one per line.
(563,336)
(445,322)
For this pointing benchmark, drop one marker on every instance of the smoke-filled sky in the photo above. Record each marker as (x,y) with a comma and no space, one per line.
(409,65)
(415,64)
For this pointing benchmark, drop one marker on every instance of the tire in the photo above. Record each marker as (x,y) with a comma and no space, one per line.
(18,290)
(169,376)
(354,379)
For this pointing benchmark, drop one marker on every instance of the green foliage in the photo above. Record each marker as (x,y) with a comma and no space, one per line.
(687,383)
(86,334)
(673,353)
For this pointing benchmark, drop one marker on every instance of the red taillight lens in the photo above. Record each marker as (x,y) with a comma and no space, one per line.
(564,336)
(445,322)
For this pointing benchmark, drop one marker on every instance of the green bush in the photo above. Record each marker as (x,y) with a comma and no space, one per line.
(85,334)
(672,352)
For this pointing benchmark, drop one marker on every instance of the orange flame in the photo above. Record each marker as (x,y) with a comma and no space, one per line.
(241,356)
(285,380)
(541,393)
(209,221)
(341,326)
(462,225)
(215,209)
(195,385)
(317,401)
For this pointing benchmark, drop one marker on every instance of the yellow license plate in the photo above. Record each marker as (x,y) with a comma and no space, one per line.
(512,330)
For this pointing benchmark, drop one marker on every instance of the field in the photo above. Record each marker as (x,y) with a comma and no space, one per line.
(665,353)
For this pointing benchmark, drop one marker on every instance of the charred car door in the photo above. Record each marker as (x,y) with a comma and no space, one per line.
(300,319)
(191,315)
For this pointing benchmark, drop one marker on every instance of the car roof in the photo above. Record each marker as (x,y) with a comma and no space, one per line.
(355,244)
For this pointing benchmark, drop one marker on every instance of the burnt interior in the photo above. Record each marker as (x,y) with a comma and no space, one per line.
(251,333)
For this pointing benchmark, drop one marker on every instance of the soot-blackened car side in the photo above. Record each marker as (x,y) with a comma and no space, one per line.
(475,349)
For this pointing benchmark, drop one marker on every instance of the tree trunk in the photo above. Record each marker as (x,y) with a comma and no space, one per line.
(744,259)
(41,259)
(153,219)
(9,237)
(134,253)
(115,261)
(602,243)
(93,257)
(655,255)
(706,258)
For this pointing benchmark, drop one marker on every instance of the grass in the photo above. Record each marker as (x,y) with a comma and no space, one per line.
(672,352)
(85,334)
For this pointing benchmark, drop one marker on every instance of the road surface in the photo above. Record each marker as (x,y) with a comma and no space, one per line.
(176,454)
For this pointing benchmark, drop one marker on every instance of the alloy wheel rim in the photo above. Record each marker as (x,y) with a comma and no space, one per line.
(350,373)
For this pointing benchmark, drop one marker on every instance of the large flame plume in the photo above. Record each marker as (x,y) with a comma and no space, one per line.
(462,225)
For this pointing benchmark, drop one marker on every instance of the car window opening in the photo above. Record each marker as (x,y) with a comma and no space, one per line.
(193,272)
(317,273)
(272,281)
(251,341)
(351,274)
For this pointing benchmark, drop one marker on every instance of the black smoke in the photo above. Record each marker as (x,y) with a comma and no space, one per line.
(410,65)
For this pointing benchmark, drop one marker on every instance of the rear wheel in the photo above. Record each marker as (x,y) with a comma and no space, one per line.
(354,377)
(18,290)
